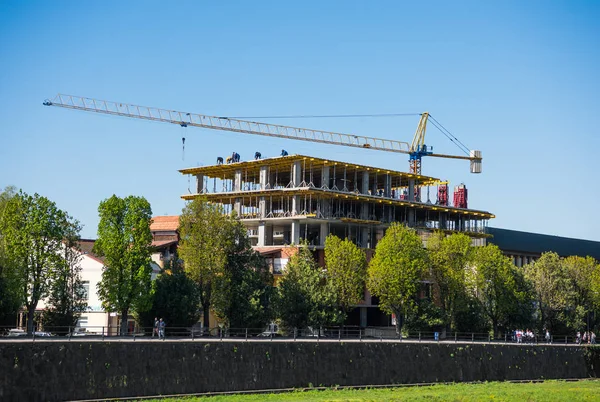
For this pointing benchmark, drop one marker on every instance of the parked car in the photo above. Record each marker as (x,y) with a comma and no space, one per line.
(15,332)
(271,331)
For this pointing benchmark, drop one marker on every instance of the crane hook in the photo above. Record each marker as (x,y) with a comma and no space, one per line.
(183,148)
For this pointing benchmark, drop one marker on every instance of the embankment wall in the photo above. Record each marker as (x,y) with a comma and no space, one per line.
(54,371)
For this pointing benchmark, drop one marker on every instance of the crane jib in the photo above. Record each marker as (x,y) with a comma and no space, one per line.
(185,119)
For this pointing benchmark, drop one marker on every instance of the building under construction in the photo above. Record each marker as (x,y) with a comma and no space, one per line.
(290,199)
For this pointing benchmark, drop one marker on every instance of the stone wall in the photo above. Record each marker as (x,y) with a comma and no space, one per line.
(53,371)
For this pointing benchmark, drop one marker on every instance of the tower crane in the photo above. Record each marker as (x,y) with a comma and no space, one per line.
(416,150)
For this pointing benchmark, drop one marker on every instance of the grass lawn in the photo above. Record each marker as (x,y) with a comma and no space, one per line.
(497,391)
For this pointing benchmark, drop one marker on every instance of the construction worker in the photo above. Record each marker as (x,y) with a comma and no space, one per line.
(284,152)
(219,160)
(257,155)
(235,157)
(228,160)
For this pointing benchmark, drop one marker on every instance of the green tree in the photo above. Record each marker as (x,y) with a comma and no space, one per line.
(174,298)
(553,291)
(305,297)
(207,238)
(396,270)
(67,298)
(581,272)
(499,287)
(243,294)
(10,298)
(33,231)
(124,240)
(450,257)
(346,272)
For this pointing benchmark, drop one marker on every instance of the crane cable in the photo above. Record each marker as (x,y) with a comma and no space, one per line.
(327,116)
(434,122)
(449,135)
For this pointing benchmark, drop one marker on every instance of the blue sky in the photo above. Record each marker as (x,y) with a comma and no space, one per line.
(517,80)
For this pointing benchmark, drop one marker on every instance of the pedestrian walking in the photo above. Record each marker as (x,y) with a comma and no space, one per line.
(578,338)
(155,327)
(161,329)
(593,337)
(547,337)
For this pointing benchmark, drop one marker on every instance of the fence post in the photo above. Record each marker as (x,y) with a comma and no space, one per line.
(339,334)
(419,336)
(69,332)
(33,339)
(455,337)
(134,335)
(360,334)
(246,333)
(271,335)
(505,337)
(103,333)
(565,339)
(295,329)
(221,334)
(489,338)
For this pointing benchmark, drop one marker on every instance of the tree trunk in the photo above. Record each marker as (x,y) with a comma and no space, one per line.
(30,315)
(205,316)
(399,322)
(124,317)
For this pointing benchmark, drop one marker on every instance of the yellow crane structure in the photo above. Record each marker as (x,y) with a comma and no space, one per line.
(416,150)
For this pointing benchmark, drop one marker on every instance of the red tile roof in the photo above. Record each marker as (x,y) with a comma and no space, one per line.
(164,223)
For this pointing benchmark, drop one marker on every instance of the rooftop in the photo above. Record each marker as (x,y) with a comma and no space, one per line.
(252,168)
(526,242)
(165,223)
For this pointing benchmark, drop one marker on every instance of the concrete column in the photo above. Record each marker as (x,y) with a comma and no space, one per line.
(323,233)
(325,177)
(364,237)
(237,206)
(262,207)
(519,261)
(200,183)
(261,234)
(365,182)
(295,232)
(264,177)
(363,317)
(295,205)
(412,219)
(297,173)
(387,190)
(411,189)
(442,221)
(237,181)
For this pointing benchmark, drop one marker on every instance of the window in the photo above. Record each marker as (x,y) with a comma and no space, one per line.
(86,289)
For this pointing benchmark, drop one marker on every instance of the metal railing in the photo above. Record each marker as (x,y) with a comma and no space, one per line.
(368,334)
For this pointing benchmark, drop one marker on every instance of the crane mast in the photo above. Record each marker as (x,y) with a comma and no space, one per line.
(184,119)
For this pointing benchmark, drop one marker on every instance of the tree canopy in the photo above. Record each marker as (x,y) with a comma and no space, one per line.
(449,258)
(306,298)
(346,266)
(124,240)
(33,232)
(396,270)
